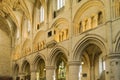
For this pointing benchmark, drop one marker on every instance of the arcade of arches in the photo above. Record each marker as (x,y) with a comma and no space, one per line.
(59,39)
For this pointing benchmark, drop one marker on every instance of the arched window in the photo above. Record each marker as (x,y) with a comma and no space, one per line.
(42,14)
(60,4)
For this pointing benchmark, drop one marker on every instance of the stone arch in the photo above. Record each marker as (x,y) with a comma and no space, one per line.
(55,52)
(25,68)
(37,58)
(117,42)
(85,41)
(39,66)
(86,6)
(61,29)
(91,52)
(16,69)
(89,20)
(39,41)
(60,21)
(59,59)
(24,64)
(8,13)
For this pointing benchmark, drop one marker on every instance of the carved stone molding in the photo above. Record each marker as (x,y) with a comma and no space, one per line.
(50,67)
(114,56)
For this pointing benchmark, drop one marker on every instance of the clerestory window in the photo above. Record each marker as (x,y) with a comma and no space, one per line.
(42,14)
(60,4)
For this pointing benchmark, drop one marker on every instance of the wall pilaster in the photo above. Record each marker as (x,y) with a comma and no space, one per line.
(114,65)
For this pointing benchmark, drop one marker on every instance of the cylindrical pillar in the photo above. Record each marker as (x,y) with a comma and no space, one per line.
(33,72)
(74,68)
(50,73)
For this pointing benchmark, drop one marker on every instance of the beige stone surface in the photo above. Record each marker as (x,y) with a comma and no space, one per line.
(74,42)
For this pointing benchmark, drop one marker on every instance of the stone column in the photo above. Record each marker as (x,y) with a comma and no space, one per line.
(114,66)
(33,73)
(50,72)
(74,67)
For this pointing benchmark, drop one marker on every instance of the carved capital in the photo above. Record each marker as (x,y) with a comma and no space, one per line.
(50,67)
(74,63)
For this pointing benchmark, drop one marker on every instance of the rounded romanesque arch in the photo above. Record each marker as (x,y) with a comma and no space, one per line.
(88,16)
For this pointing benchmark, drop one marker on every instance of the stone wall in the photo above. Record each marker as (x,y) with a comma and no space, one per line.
(5,57)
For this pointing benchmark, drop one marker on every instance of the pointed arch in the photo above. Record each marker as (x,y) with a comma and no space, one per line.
(38,57)
(55,53)
(84,42)
(25,63)
(16,69)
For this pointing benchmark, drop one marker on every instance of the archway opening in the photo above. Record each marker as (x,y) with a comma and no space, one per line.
(61,67)
(41,71)
(92,63)
(26,71)
(16,72)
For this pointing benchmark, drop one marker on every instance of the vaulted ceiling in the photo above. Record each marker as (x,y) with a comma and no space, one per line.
(12,11)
